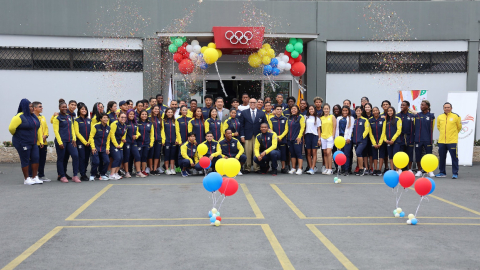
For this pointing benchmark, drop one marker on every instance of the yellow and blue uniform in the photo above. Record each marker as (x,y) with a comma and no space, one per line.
(155,151)
(296,127)
(215,126)
(82,127)
(361,128)
(65,135)
(206,112)
(232,148)
(169,138)
(449,126)
(100,140)
(197,126)
(112,117)
(279,125)
(266,142)
(233,124)
(424,123)
(190,113)
(42,151)
(376,138)
(287,113)
(26,132)
(391,132)
(408,133)
(182,129)
(130,149)
(188,155)
(118,133)
(269,115)
(146,139)
(214,150)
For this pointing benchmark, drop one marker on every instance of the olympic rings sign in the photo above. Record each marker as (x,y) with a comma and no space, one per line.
(238,37)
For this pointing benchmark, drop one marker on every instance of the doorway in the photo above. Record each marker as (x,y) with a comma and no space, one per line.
(234,89)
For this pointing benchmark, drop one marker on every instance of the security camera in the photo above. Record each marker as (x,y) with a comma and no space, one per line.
(233,77)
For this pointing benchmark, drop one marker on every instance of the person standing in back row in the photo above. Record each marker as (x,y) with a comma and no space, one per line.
(250,121)
(245,105)
(449,124)
(424,123)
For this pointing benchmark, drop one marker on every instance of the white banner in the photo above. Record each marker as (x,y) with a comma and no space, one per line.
(465,105)
(415,97)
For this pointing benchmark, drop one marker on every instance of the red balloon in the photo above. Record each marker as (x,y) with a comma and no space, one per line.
(186,55)
(298,59)
(185,44)
(340,159)
(204,162)
(423,186)
(298,69)
(178,57)
(406,179)
(230,186)
(288,54)
(219,218)
(291,61)
(186,66)
(181,50)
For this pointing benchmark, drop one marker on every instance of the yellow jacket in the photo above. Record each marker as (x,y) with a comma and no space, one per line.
(184,153)
(43,124)
(268,150)
(113,129)
(449,127)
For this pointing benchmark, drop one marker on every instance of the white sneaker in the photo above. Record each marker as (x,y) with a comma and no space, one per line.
(323,169)
(37,181)
(118,176)
(45,179)
(160,170)
(139,174)
(315,169)
(292,171)
(147,170)
(173,172)
(299,171)
(329,172)
(92,178)
(167,172)
(431,174)
(112,177)
(410,171)
(399,171)
(239,173)
(201,172)
(29,181)
(104,178)
(418,174)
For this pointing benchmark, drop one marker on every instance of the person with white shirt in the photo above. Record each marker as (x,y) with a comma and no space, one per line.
(344,128)
(312,139)
(245,100)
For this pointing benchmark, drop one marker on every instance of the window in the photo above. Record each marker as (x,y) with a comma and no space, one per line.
(393,62)
(71,59)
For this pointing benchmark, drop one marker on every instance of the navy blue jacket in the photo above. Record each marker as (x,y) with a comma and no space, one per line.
(251,127)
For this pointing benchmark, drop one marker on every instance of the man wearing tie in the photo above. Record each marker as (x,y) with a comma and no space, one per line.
(251,120)
(223,113)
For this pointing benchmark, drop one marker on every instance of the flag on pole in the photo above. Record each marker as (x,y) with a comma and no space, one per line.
(299,97)
(170,93)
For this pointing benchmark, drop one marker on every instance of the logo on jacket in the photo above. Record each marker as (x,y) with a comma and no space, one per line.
(79,147)
(233,144)
(380,122)
(427,118)
(25,148)
(360,123)
(269,138)
(213,147)
(194,150)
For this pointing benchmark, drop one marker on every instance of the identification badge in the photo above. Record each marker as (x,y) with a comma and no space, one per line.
(408,118)
(107,131)
(416,145)
(173,124)
(88,122)
(148,125)
(259,120)
(139,149)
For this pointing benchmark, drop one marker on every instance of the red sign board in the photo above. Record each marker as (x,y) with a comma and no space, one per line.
(238,40)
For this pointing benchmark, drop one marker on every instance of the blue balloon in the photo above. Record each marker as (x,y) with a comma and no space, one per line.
(274,62)
(275,71)
(212,219)
(212,181)
(203,65)
(402,214)
(210,214)
(433,185)
(336,153)
(391,178)
(267,70)
(414,221)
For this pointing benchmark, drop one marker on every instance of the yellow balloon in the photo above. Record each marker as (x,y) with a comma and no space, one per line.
(262,52)
(271,53)
(266,60)
(217,223)
(202,149)
(202,50)
(400,159)
(210,56)
(212,45)
(410,216)
(219,166)
(429,163)
(339,142)
(219,53)
(266,46)
(254,60)
(232,167)
(214,210)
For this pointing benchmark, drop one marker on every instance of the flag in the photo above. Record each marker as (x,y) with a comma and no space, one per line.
(170,93)
(299,97)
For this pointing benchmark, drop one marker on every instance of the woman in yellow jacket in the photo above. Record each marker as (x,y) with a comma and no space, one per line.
(449,124)
(392,128)
(214,125)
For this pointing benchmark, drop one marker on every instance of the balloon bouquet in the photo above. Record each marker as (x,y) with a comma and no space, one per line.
(423,186)
(339,157)
(213,181)
(190,55)
(294,50)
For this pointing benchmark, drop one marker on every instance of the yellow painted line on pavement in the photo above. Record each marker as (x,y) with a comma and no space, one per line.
(281,255)
(88,203)
(251,201)
(153,219)
(156,225)
(22,257)
(456,205)
(288,201)
(333,249)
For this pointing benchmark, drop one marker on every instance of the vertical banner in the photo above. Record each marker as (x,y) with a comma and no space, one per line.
(170,93)
(465,105)
(415,97)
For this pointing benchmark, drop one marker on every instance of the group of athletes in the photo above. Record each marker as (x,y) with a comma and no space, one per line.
(128,138)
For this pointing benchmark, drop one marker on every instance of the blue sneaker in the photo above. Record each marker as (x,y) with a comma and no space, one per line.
(440,175)
(184,174)
(455,176)
(312,172)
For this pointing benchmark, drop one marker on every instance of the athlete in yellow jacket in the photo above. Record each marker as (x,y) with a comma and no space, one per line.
(449,125)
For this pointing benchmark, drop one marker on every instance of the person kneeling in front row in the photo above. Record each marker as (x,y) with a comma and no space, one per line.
(265,150)
(188,157)
(232,148)
(213,147)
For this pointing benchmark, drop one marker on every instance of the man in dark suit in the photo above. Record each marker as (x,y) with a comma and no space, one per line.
(251,120)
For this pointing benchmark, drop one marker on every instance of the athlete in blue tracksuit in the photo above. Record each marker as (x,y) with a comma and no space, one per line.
(361,128)
(145,142)
(266,150)
(213,149)
(130,149)
(279,125)
(100,143)
(424,123)
(391,134)
(82,126)
(118,136)
(378,147)
(155,152)
(170,141)
(232,147)
(214,126)
(408,131)
(197,126)
(296,127)
(188,157)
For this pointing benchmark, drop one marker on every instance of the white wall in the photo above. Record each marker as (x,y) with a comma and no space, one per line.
(49,86)
(378,87)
